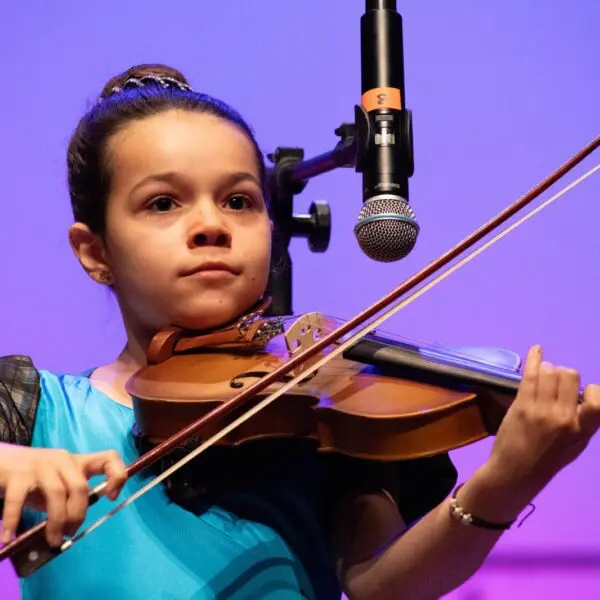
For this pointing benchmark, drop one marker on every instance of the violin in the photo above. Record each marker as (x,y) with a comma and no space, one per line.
(339,384)
(376,401)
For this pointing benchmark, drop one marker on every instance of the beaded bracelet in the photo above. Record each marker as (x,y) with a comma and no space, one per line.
(458,513)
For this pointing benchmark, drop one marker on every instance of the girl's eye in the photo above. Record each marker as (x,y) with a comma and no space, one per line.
(239,202)
(161,204)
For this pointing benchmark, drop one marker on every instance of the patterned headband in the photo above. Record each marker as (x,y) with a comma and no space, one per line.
(138,82)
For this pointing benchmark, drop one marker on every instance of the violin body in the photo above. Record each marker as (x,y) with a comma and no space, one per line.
(348,406)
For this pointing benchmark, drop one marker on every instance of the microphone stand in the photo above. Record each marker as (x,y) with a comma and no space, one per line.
(290,174)
(288,177)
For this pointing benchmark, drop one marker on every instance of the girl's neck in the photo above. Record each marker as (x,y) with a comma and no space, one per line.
(111,378)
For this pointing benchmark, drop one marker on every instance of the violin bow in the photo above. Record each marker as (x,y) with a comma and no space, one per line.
(33,541)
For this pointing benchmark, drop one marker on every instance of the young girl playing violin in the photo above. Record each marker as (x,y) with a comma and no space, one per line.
(168,193)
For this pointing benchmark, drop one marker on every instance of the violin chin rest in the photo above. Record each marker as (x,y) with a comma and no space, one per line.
(500,357)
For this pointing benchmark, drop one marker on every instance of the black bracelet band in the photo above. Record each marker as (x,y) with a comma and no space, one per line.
(465,518)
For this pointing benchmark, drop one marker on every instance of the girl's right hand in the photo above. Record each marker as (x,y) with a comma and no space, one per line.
(55,482)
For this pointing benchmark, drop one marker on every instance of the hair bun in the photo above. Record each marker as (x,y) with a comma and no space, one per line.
(141,74)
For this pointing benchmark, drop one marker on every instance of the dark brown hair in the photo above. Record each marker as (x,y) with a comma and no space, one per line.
(139,92)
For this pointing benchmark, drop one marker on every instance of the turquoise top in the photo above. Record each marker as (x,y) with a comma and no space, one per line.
(262,536)
(152,549)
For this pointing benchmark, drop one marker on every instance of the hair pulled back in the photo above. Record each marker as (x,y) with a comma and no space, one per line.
(141,91)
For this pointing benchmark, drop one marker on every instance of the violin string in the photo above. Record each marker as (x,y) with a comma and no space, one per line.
(362,332)
(411,345)
(439,351)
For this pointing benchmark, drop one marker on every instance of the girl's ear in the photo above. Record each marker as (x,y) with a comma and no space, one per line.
(91,253)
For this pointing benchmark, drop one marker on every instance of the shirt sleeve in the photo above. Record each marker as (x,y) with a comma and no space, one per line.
(421,484)
(417,485)
(19,399)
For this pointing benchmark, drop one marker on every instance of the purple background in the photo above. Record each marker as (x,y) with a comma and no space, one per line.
(502,93)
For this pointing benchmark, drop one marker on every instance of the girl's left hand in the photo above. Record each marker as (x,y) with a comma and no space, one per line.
(546,427)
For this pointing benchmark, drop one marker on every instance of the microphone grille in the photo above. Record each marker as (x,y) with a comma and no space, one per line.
(386,229)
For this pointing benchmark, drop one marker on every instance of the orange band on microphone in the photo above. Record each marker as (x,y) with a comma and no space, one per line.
(383,97)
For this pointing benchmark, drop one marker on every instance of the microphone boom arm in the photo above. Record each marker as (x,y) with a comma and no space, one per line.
(288,177)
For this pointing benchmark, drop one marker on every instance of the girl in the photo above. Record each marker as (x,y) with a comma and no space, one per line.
(168,194)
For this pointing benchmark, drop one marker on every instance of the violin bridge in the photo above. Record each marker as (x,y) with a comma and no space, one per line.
(303,333)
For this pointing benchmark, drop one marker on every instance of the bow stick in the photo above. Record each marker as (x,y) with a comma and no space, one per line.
(44,553)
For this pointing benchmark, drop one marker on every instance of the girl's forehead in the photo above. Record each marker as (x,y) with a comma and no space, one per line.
(180,140)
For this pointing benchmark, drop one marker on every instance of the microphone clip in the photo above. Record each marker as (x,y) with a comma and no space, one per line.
(366,132)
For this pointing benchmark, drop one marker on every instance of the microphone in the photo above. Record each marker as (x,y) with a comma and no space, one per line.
(386,229)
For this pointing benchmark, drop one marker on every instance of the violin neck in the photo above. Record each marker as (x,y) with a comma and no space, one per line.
(409,362)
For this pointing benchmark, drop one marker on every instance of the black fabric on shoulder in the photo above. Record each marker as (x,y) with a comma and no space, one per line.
(19,399)
(417,485)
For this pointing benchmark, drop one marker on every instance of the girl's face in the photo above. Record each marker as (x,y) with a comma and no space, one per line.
(188,236)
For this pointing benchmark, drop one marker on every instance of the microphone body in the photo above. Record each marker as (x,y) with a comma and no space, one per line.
(386,229)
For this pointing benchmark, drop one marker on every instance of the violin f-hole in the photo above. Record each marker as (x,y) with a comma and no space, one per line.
(237,384)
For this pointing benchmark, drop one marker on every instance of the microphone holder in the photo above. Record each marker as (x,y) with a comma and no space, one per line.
(288,177)
(358,147)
